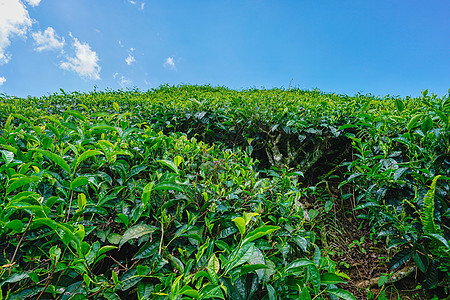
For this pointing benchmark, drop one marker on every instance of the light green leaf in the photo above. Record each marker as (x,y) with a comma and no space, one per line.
(86,155)
(214,264)
(136,231)
(259,232)
(190,292)
(271,293)
(399,105)
(146,192)
(178,160)
(256,259)
(240,223)
(8,156)
(248,217)
(16,225)
(271,268)
(22,118)
(427,215)
(414,121)
(55,158)
(171,165)
(79,181)
(75,114)
(21,182)
(105,249)
(81,201)
(427,124)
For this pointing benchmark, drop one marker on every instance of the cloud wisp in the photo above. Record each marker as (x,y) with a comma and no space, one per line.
(130,59)
(122,80)
(140,4)
(14,21)
(48,40)
(169,63)
(85,61)
(34,2)
(2,80)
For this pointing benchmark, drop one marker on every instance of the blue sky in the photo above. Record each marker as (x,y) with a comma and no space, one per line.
(379,47)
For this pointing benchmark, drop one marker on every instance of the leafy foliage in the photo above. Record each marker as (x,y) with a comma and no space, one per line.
(193,192)
(99,206)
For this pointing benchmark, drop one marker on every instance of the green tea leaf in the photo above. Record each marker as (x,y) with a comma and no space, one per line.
(331,278)
(8,156)
(79,181)
(439,238)
(136,231)
(400,258)
(427,125)
(427,215)
(241,255)
(86,155)
(315,277)
(297,265)
(414,121)
(421,261)
(81,201)
(17,183)
(258,232)
(214,264)
(171,165)
(167,186)
(240,224)
(346,295)
(16,225)
(399,105)
(75,114)
(317,256)
(55,158)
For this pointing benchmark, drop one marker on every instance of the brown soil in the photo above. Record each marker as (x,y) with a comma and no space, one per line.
(348,241)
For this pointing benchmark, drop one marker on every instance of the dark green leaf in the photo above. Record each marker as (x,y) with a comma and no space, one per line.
(421,261)
(330,278)
(342,294)
(400,258)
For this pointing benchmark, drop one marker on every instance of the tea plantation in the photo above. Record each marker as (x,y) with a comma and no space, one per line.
(200,192)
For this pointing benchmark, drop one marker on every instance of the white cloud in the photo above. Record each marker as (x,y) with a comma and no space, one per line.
(130,59)
(140,5)
(2,80)
(120,43)
(34,2)
(123,81)
(48,40)
(14,21)
(169,63)
(85,62)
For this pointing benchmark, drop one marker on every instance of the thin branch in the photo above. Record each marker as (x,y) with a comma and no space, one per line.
(20,241)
